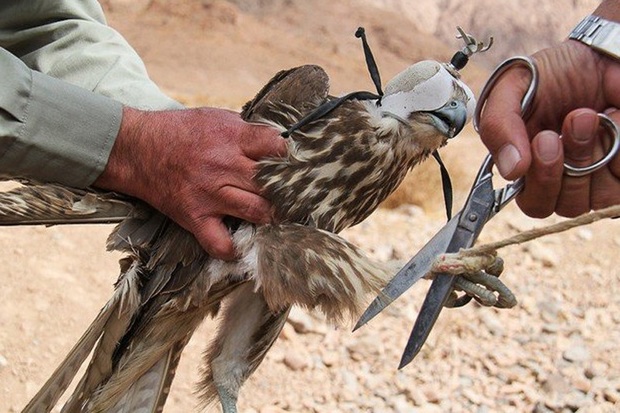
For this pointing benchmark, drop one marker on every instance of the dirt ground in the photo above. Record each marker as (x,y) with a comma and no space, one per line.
(557,351)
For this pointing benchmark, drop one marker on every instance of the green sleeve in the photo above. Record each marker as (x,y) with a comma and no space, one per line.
(53,56)
(52,131)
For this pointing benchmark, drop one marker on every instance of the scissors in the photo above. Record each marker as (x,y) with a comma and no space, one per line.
(462,231)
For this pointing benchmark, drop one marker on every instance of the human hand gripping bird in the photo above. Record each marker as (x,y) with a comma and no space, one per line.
(339,167)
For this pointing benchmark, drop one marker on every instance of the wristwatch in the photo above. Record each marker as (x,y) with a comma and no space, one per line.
(600,34)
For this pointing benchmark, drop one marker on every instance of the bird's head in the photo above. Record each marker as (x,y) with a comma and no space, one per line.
(429,97)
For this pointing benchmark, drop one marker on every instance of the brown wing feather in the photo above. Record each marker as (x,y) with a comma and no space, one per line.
(303,89)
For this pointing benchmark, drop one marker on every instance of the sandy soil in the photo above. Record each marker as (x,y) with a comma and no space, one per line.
(556,351)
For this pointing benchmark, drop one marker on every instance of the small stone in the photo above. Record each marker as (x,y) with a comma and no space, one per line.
(551,328)
(589,372)
(295,362)
(432,396)
(611,395)
(585,234)
(301,321)
(400,404)
(492,323)
(365,346)
(576,354)
(472,396)
(329,358)
(549,310)
(575,400)
(416,396)
(556,384)
(541,408)
(543,254)
(383,253)
(582,384)
(3,361)
(288,332)
(351,386)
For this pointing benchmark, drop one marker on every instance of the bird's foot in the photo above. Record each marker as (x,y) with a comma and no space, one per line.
(478,277)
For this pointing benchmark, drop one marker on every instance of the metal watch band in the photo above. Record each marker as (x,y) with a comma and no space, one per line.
(600,34)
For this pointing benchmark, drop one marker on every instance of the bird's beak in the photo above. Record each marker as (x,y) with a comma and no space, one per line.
(450,119)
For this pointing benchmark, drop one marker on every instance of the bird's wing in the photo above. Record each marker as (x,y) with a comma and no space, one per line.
(293,92)
(55,204)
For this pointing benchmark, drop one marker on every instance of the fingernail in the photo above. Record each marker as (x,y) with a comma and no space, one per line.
(548,146)
(583,126)
(507,158)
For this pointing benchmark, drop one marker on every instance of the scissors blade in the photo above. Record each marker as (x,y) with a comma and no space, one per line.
(478,209)
(433,304)
(415,269)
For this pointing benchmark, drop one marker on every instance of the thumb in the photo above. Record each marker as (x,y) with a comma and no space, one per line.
(502,128)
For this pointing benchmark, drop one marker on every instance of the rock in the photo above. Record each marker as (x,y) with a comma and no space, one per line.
(400,404)
(543,254)
(582,384)
(301,321)
(575,400)
(576,354)
(541,408)
(556,384)
(431,395)
(589,372)
(288,332)
(611,395)
(351,387)
(295,361)
(329,358)
(416,396)
(472,396)
(549,310)
(365,346)
(3,362)
(551,328)
(585,234)
(492,323)
(382,252)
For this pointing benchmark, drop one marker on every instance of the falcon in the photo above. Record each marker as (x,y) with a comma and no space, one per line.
(345,156)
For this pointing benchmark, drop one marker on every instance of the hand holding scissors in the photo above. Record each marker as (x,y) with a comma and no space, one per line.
(464,228)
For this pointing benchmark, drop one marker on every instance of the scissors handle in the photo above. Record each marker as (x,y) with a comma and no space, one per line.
(612,130)
(526,108)
(528,98)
